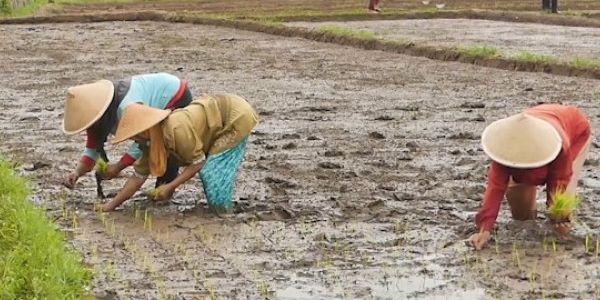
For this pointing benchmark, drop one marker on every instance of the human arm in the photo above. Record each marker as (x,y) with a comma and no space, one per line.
(486,217)
(128,159)
(187,173)
(133,184)
(85,164)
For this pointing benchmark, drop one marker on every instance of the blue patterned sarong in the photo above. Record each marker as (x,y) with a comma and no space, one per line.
(219,173)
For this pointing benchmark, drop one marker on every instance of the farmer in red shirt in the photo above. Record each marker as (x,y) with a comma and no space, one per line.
(547,144)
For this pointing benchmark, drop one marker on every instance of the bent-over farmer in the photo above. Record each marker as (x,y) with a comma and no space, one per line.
(545,145)
(97,108)
(208,137)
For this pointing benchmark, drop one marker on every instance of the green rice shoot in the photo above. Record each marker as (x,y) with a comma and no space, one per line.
(562,206)
(154,193)
(101,166)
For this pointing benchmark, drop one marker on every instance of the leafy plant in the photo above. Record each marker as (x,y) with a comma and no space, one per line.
(101,166)
(563,205)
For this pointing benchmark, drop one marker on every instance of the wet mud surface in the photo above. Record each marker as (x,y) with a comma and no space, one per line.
(563,42)
(360,182)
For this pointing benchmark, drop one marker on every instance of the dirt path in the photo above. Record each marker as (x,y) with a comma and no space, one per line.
(360,181)
(563,42)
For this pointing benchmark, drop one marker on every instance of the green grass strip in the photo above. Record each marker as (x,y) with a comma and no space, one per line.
(347,32)
(585,63)
(536,58)
(482,51)
(34,262)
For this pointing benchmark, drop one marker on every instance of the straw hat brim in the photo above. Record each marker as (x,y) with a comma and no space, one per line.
(521,141)
(85,104)
(136,119)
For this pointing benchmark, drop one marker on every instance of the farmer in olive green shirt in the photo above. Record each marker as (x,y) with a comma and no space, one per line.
(207,137)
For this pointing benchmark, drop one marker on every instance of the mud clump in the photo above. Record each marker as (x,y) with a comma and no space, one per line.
(376,135)
(329,165)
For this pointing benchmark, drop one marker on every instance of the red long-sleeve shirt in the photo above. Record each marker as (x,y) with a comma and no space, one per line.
(574,130)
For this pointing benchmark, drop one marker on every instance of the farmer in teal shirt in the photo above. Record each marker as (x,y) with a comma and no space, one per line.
(97,108)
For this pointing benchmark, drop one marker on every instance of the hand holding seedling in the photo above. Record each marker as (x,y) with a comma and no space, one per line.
(479,240)
(562,228)
(72,178)
(560,211)
(111,171)
(161,193)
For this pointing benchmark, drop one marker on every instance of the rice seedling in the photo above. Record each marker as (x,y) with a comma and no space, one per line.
(147,220)
(101,166)
(515,255)
(154,193)
(597,250)
(531,279)
(587,243)
(74,222)
(562,206)
(496,244)
(212,293)
(545,244)
(263,290)
(554,246)
(112,229)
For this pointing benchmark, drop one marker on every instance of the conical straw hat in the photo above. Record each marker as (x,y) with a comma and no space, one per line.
(521,141)
(85,104)
(136,119)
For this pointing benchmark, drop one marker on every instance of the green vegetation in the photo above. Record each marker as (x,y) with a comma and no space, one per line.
(154,192)
(34,263)
(562,206)
(6,8)
(585,63)
(536,58)
(101,166)
(347,32)
(482,51)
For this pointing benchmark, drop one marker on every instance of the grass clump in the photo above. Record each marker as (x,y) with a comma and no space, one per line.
(347,32)
(562,206)
(585,63)
(101,166)
(34,262)
(479,51)
(536,58)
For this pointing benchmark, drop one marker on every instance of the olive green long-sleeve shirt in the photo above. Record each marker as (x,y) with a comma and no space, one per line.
(208,126)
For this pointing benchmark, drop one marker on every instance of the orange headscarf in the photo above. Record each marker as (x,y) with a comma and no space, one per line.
(157,159)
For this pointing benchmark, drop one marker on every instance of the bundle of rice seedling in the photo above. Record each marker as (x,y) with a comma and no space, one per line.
(101,166)
(562,206)
(154,193)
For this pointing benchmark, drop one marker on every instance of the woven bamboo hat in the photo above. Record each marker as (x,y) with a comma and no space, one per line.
(521,141)
(85,104)
(136,119)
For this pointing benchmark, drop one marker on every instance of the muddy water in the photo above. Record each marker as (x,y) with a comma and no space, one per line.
(563,42)
(359,183)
